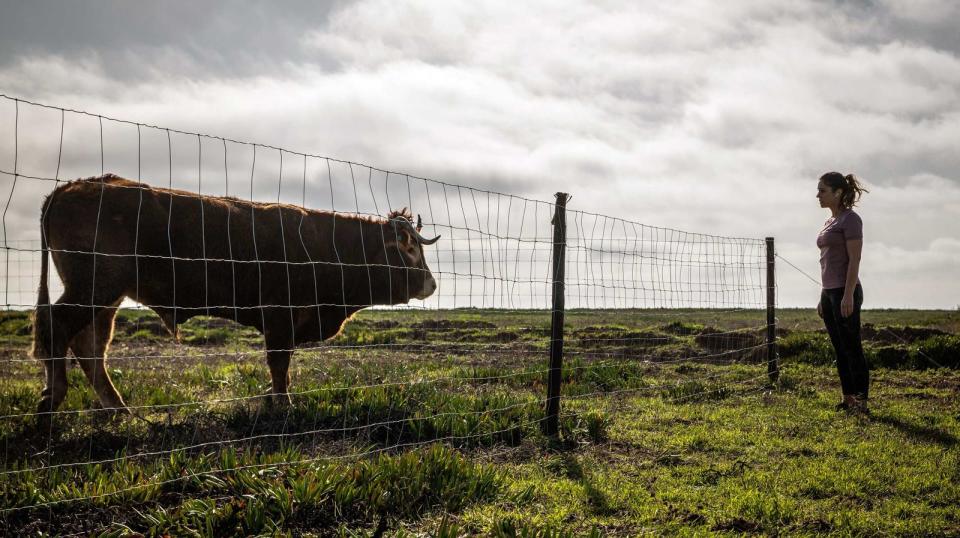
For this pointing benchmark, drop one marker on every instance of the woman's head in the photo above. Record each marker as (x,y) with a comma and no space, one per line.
(838,190)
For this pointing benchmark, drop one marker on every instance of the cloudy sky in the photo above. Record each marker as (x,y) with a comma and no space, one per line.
(695,115)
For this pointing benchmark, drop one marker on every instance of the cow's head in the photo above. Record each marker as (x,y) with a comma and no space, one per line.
(403,254)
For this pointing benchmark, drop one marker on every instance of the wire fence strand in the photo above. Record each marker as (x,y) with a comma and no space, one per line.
(179,261)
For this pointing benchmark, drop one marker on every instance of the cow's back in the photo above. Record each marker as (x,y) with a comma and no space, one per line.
(180,252)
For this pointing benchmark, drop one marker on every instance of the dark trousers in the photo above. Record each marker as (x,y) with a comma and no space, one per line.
(845,336)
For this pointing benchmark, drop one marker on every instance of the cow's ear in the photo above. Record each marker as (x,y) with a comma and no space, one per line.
(407,241)
(397,237)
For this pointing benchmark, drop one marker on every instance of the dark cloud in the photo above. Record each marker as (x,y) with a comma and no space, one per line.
(876,22)
(891,168)
(134,40)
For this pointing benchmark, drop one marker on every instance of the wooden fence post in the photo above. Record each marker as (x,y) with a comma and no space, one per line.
(552,412)
(773,368)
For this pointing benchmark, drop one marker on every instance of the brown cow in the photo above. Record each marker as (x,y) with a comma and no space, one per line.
(294,274)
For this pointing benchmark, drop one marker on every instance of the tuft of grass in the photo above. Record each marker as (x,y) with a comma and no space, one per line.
(937,351)
(510,527)
(15,323)
(356,334)
(695,391)
(214,336)
(808,348)
(255,494)
(591,425)
(682,328)
(794,383)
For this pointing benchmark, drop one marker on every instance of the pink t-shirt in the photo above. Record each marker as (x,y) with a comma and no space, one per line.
(832,241)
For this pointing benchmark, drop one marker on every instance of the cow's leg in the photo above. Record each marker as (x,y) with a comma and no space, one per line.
(55,384)
(279,362)
(279,348)
(90,347)
(56,326)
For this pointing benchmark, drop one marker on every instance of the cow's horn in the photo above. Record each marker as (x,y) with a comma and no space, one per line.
(413,231)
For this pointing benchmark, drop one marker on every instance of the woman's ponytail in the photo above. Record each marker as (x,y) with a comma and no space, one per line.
(852,191)
(850,187)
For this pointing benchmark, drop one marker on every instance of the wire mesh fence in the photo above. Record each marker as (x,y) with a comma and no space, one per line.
(184,260)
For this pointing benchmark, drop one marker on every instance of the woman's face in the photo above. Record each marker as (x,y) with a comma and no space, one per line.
(828,197)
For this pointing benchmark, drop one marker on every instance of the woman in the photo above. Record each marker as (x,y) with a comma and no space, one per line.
(841,243)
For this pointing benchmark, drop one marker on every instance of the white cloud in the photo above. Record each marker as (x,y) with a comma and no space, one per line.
(691,115)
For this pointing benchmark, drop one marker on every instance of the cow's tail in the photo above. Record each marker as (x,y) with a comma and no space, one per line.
(42,314)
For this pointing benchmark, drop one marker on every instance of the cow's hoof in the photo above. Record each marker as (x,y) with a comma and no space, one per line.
(44,423)
(45,415)
(104,415)
(278,401)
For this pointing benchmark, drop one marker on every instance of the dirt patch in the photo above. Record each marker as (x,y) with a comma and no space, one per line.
(898,335)
(717,341)
(737,524)
(680,328)
(63,521)
(153,327)
(168,355)
(14,352)
(448,324)
(614,338)
(505,336)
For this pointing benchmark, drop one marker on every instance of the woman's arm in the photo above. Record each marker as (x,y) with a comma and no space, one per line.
(854,250)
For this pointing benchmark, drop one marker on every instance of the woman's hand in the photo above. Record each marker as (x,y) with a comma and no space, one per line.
(846,305)
(820,310)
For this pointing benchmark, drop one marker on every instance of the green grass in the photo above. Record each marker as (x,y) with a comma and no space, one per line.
(229,493)
(428,423)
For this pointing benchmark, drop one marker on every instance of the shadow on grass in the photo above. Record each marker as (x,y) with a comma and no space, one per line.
(919,432)
(386,418)
(596,498)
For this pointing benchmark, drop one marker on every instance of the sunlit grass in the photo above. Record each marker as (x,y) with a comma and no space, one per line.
(445,439)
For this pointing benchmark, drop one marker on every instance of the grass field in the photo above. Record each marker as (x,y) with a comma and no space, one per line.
(428,422)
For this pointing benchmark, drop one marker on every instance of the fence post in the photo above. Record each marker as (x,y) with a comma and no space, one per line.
(773,368)
(552,424)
